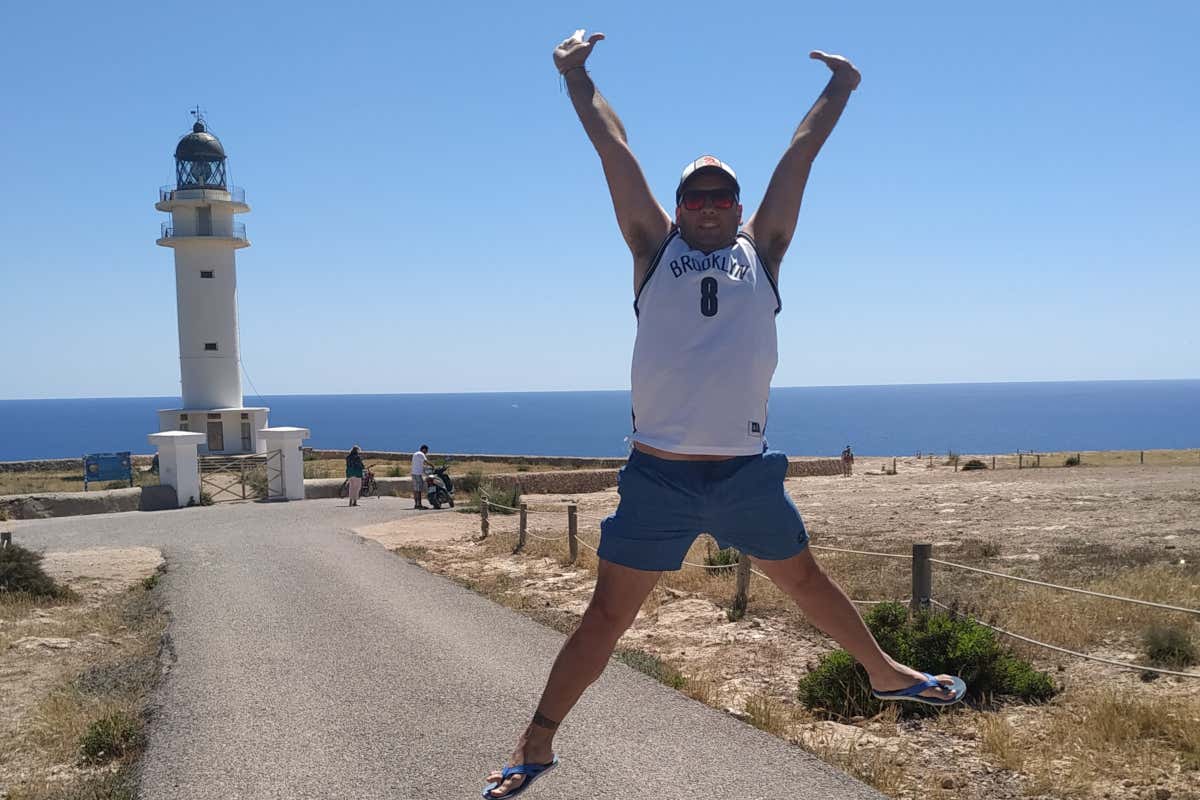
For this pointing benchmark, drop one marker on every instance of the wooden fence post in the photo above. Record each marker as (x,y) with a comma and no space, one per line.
(483,517)
(5,539)
(1142,457)
(993,462)
(521,530)
(573,532)
(1039,460)
(922,577)
(893,466)
(741,594)
(1019,463)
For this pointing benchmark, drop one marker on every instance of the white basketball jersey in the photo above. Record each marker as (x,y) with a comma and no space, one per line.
(705,350)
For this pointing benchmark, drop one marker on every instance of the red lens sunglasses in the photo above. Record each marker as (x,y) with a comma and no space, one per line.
(722,199)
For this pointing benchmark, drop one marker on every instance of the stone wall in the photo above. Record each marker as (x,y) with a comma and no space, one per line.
(815,466)
(564,462)
(70,504)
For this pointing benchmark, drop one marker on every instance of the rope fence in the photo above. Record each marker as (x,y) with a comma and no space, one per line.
(921,559)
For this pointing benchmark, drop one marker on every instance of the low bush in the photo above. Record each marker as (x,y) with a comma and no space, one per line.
(1072,461)
(725,559)
(257,482)
(21,571)
(933,643)
(974,463)
(499,496)
(651,665)
(1169,647)
(109,738)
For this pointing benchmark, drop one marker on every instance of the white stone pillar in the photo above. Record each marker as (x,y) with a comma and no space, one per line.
(178,464)
(287,442)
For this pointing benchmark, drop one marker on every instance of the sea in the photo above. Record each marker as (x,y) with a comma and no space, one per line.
(977,418)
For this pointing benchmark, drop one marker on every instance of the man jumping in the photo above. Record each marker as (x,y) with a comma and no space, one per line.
(705,295)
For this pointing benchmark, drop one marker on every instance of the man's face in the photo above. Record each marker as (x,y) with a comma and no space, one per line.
(709,228)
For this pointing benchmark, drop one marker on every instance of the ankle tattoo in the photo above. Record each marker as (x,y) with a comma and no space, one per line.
(542,721)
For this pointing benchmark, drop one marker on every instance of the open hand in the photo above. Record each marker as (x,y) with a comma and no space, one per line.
(843,70)
(574,50)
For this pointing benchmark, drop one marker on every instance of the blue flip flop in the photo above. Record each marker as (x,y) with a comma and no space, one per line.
(531,772)
(913,692)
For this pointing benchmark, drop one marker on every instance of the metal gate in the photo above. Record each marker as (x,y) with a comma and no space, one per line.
(253,476)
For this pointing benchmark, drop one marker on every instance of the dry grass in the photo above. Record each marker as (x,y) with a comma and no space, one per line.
(1096,737)
(1087,458)
(998,738)
(110,676)
(63,481)
(1092,620)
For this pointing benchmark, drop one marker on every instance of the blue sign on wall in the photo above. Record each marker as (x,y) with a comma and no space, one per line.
(107,467)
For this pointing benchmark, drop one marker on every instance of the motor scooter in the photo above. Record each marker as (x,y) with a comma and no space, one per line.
(439,488)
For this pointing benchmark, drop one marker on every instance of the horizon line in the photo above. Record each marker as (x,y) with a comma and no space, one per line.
(578,391)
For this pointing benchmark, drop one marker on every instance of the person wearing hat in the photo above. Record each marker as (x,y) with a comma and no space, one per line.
(705,296)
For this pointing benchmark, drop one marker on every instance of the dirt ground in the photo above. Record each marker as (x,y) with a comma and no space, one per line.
(1066,525)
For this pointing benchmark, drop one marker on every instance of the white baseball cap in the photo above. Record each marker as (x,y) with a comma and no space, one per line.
(706,163)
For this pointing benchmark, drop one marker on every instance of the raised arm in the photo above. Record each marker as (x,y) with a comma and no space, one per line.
(774,222)
(643,222)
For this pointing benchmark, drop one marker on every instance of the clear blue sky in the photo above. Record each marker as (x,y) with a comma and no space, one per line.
(1011,194)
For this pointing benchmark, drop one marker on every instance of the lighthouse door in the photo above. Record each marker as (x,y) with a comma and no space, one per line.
(216,437)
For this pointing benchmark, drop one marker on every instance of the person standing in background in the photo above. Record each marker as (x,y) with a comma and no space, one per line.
(419,460)
(354,474)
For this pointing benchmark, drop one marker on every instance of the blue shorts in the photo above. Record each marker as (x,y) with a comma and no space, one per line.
(665,505)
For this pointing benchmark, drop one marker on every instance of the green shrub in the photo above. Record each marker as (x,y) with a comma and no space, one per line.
(974,463)
(109,738)
(1072,461)
(651,665)
(933,643)
(394,471)
(726,558)
(257,482)
(503,495)
(21,571)
(1169,647)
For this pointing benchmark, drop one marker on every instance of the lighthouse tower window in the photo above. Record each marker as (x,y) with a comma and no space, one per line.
(210,346)
(206,273)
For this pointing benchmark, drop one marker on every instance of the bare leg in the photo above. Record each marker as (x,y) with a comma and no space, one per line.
(615,602)
(828,608)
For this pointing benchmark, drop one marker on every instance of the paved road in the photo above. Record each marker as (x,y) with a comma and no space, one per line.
(310,663)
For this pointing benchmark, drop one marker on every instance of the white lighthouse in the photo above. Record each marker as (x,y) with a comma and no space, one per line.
(205,237)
